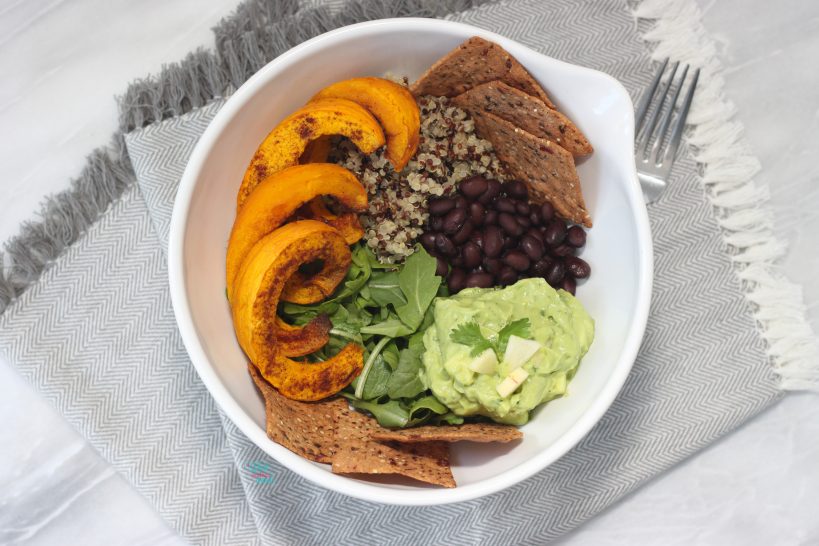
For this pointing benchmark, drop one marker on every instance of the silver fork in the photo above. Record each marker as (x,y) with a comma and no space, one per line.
(654,149)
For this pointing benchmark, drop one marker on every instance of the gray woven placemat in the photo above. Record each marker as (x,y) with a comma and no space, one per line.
(96,334)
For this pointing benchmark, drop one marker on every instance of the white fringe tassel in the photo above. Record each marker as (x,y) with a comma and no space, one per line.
(729,168)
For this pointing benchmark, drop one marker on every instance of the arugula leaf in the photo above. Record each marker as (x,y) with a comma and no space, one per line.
(449,418)
(390,327)
(518,328)
(391,414)
(419,283)
(377,379)
(404,381)
(469,334)
(384,289)
(423,409)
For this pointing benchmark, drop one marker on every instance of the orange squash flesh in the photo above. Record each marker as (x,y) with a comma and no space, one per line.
(279,196)
(254,299)
(392,105)
(347,223)
(300,341)
(286,143)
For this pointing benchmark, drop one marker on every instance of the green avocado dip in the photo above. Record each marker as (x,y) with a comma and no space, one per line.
(550,334)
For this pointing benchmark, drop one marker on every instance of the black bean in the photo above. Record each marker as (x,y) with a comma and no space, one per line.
(458,260)
(428,240)
(477,237)
(509,224)
(569,285)
(443,244)
(547,212)
(476,213)
(492,241)
(441,205)
(463,234)
(517,260)
(577,267)
(509,242)
(576,236)
(562,250)
(491,217)
(479,280)
(504,204)
(456,280)
(555,274)
(507,276)
(524,221)
(522,208)
(493,189)
(492,265)
(536,217)
(541,267)
(441,268)
(461,202)
(555,232)
(517,189)
(436,223)
(454,220)
(471,254)
(532,247)
(537,234)
(473,187)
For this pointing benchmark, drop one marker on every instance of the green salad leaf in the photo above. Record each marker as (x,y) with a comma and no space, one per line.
(405,380)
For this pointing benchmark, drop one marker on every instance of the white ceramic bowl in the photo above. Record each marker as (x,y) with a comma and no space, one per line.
(619,246)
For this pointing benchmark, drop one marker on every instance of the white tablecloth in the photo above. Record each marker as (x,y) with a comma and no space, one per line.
(62,63)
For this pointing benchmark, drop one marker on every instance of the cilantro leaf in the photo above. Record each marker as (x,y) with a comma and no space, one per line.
(469,334)
(518,328)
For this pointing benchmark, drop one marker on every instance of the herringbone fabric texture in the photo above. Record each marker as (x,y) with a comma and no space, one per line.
(96,335)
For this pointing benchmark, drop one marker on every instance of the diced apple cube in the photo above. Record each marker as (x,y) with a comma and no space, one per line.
(512,382)
(486,362)
(519,351)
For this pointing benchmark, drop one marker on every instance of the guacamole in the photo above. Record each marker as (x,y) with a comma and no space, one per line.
(557,322)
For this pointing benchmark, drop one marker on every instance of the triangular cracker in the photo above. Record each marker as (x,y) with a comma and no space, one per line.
(305,428)
(358,454)
(472,63)
(546,168)
(527,112)
(469,432)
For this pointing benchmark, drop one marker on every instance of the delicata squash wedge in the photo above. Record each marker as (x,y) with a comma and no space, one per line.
(255,297)
(286,143)
(392,105)
(347,223)
(277,198)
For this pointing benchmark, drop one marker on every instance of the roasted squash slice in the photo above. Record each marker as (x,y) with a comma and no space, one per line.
(303,340)
(278,197)
(286,143)
(347,223)
(391,104)
(255,297)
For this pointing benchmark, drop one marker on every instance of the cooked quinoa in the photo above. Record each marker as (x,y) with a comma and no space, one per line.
(449,151)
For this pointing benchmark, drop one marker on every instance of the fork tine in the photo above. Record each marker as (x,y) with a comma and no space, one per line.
(655,115)
(663,131)
(645,100)
(679,126)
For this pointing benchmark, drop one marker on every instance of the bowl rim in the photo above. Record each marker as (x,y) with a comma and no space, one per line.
(307,469)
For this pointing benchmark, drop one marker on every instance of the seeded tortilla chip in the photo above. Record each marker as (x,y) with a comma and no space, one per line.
(546,168)
(358,454)
(470,432)
(527,112)
(472,63)
(305,428)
